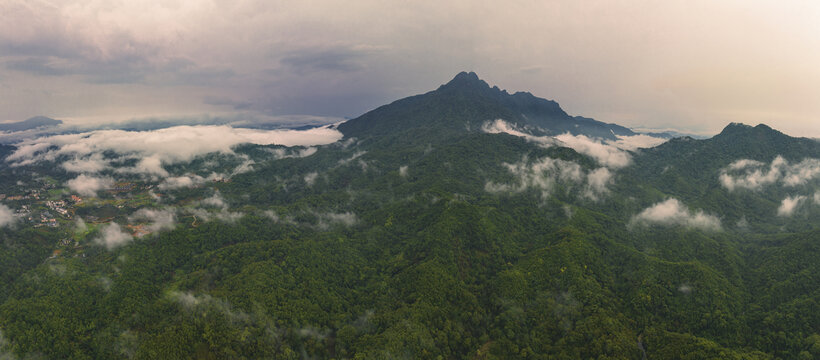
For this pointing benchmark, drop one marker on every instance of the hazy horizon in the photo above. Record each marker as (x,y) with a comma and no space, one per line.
(689,66)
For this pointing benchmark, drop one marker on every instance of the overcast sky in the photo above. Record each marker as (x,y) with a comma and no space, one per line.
(692,65)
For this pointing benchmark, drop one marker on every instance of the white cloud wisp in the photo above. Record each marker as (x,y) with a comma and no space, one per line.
(112,236)
(86,185)
(673,212)
(609,153)
(157,148)
(635,142)
(754,175)
(157,219)
(6,216)
(544,174)
(789,205)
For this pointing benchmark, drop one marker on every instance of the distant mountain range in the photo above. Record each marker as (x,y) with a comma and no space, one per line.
(31,123)
(465,102)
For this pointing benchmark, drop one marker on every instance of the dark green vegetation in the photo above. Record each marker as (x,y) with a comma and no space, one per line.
(392,246)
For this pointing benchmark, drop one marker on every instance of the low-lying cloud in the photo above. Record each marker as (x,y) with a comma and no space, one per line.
(330,218)
(323,220)
(789,204)
(93,163)
(236,120)
(607,155)
(157,219)
(184,181)
(543,174)
(502,127)
(155,149)
(282,153)
(673,212)
(6,216)
(190,180)
(80,226)
(352,157)
(223,214)
(275,217)
(216,200)
(245,166)
(754,175)
(744,163)
(204,302)
(86,185)
(310,178)
(635,142)
(610,153)
(597,181)
(188,299)
(112,236)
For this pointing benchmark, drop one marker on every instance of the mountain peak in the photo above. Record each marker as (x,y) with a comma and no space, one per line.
(467,102)
(743,129)
(466,76)
(466,80)
(764,127)
(734,128)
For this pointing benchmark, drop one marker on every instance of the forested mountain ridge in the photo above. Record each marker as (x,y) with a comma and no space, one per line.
(741,167)
(467,102)
(737,141)
(444,225)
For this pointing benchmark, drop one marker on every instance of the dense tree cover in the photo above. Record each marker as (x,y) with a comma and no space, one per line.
(397,249)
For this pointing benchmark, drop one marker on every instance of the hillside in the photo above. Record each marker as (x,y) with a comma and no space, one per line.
(468,102)
(419,234)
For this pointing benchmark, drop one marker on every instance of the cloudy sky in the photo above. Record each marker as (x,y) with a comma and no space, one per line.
(691,65)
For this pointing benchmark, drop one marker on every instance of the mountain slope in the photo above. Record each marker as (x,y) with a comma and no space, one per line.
(737,141)
(697,170)
(467,102)
(449,243)
(701,159)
